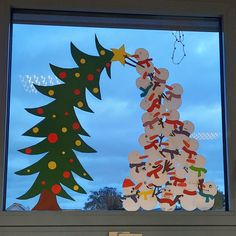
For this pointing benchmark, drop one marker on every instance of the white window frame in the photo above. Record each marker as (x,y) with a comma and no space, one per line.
(217,8)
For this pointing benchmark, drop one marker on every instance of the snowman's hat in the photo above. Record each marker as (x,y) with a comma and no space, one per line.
(128,183)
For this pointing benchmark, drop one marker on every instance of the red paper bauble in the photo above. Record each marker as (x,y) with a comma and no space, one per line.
(90,77)
(62,75)
(52,138)
(56,188)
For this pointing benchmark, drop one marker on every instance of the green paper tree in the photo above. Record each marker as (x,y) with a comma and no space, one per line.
(61,128)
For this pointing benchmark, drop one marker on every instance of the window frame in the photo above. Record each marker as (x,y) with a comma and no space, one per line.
(226,11)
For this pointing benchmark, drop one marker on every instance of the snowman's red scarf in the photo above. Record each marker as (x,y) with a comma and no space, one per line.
(191,193)
(153,144)
(172,95)
(155,104)
(136,165)
(175,123)
(154,172)
(146,61)
(190,152)
(167,200)
(150,123)
(178,181)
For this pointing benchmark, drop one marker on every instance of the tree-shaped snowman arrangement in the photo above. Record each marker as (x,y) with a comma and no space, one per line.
(170,170)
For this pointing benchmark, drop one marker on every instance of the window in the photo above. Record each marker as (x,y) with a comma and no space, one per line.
(114,218)
(116,124)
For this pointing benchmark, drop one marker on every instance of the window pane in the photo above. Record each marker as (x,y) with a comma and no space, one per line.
(116,124)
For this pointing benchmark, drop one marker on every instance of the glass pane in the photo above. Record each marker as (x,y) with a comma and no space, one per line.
(116,124)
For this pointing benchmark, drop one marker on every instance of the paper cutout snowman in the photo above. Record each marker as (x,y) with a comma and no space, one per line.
(206,197)
(173,98)
(153,121)
(159,81)
(189,150)
(130,199)
(181,133)
(144,65)
(137,166)
(171,123)
(147,198)
(188,200)
(150,144)
(168,200)
(169,151)
(150,103)
(156,172)
(178,180)
(197,169)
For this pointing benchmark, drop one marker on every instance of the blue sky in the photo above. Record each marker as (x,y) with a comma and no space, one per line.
(116,124)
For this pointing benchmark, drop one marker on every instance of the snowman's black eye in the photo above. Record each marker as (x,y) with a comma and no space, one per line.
(150,164)
(146,136)
(169,190)
(210,186)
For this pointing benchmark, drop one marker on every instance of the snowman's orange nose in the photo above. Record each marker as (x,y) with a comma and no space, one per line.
(138,186)
(191,161)
(168,194)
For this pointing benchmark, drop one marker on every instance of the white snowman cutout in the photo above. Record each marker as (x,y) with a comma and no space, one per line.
(169,151)
(155,172)
(130,199)
(196,170)
(178,180)
(150,103)
(147,198)
(189,151)
(150,144)
(206,197)
(168,200)
(182,133)
(152,121)
(173,99)
(137,166)
(143,83)
(144,65)
(159,81)
(171,123)
(188,200)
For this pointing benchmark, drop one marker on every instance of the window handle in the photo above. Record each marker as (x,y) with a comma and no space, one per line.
(124,234)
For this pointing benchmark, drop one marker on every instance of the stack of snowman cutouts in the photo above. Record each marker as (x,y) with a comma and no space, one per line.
(170,171)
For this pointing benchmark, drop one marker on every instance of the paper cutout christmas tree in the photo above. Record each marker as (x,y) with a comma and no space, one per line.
(170,171)
(61,128)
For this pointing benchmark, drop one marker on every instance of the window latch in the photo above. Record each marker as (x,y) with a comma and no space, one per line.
(124,234)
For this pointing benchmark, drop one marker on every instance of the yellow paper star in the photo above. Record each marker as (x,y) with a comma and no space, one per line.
(119,54)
